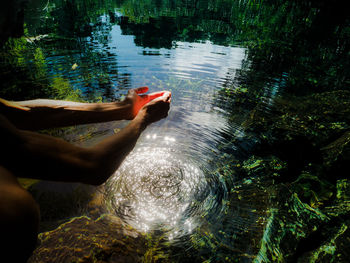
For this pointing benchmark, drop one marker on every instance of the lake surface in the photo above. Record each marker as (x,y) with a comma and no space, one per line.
(224,62)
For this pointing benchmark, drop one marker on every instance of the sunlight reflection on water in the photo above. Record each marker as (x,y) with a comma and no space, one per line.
(155,186)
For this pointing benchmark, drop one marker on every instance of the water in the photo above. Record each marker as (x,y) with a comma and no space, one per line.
(221,66)
(161,183)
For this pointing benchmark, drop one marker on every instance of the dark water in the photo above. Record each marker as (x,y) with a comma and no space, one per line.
(180,179)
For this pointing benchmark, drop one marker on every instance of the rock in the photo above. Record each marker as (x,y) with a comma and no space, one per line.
(82,239)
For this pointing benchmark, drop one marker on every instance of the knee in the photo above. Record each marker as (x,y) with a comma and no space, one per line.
(19,220)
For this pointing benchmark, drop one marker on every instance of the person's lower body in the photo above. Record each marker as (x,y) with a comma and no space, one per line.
(19,219)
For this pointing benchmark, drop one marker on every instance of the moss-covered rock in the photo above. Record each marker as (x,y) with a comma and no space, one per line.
(27,182)
(82,239)
(298,152)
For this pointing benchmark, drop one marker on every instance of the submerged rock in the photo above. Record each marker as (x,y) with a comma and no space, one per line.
(290,222)
(297,129)
(60,201)
(335,249)
(340,206)
(334,235)
(312,190)
(311,220)
(106,239)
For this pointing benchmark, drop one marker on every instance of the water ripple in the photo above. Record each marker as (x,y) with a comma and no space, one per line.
(157,187)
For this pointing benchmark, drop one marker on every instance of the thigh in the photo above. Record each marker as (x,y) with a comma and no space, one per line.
(19,218)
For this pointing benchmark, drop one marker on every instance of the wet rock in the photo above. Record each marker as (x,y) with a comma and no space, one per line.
(82,239)
(338,149)
(255,169)
(330,240)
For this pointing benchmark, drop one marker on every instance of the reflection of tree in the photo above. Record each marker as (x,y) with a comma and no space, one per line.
(23,70)
(157,33)
(71,18)
(285,65)
(44,62)
(297,47)
(159,23)
(296,41)
(25,74)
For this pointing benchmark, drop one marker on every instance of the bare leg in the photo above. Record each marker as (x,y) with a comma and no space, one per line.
(19,219)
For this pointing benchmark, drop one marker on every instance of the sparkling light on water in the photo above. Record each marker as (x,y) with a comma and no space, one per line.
(155,186)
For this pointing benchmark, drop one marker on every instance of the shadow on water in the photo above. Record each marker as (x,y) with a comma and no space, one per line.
(208,182)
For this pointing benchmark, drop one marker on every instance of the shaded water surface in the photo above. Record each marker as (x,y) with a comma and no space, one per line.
(224,62)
